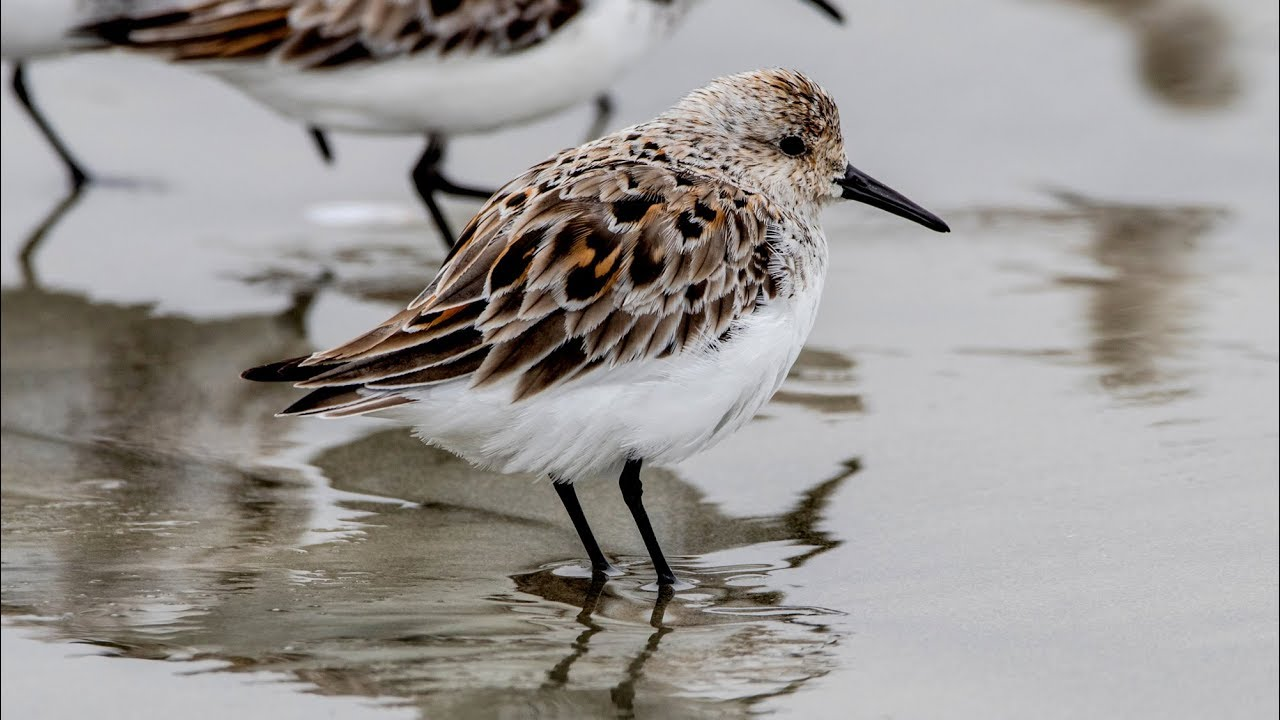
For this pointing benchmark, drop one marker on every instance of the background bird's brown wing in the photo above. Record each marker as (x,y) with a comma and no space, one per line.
(549,283)
(330,33)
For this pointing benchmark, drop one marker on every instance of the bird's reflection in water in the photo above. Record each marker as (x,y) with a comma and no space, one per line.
(1141,312)
(722,599)
(1140,308)
(1185,54)
(124,440)
(138,517)
(623,694)
(821,380)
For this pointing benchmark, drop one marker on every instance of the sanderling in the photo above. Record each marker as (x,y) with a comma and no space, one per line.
(633,299)
(433,67)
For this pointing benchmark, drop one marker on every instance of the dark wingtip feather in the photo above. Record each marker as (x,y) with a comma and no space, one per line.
(290,370)
(118,31)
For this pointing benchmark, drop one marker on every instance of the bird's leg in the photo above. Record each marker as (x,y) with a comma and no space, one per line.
(604,113)
(321,141)
(600,566)
(428,180)
(632,490)
(19,83)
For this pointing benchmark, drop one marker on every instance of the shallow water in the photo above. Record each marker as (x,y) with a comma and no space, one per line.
(1026,469)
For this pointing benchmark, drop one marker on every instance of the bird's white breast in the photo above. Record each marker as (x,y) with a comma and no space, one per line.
(662,411)
(466,93)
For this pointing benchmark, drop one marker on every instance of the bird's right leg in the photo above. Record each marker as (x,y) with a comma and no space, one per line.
(428,180)
(600,566)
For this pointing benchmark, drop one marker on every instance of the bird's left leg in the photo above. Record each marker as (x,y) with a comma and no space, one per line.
(18,82)
(321,141)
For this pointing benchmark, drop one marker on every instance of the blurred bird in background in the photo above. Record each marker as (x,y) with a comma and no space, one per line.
(437,68)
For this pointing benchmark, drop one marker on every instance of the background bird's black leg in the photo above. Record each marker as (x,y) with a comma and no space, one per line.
(604,113)
(428,180)
(600,566)
(322,144)
(425,176)
(19,83)
(632,490)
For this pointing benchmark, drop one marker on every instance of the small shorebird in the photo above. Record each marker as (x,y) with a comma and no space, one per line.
(634,299)
(434,67)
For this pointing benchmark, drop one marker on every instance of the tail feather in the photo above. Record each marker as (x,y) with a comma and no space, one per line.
(344,401)
(332,401)
(369,405)
(324,400)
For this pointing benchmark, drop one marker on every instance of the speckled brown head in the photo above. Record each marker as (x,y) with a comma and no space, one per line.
(778,132)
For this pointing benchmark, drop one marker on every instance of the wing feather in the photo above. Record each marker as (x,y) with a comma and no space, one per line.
(329,33)
(557,284)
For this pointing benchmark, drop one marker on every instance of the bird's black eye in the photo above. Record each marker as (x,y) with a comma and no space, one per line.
(793,146)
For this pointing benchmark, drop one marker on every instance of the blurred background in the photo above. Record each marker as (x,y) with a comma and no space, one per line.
(1025,469)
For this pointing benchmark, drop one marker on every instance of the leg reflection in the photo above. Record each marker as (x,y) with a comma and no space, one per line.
(26,256)
(294,317)
(559,675)
(603,106)
(624,693)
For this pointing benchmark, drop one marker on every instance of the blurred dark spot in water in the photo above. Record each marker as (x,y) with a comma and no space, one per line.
(1184,50)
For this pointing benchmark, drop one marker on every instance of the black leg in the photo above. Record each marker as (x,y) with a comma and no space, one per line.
(19,83)
(632,490)
(428,180)
(604,113)
(322,144)
(600,566)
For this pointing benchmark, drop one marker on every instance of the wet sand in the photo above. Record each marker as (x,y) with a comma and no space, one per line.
(1026,469)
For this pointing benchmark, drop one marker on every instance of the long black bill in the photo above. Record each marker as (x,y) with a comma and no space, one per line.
(857,185)
(830,10)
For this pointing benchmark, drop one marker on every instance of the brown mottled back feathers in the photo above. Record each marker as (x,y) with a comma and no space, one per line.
(329,33)
(565,271)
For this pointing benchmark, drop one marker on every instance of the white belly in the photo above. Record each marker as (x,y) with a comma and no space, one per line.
(468,93)
(662,412)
